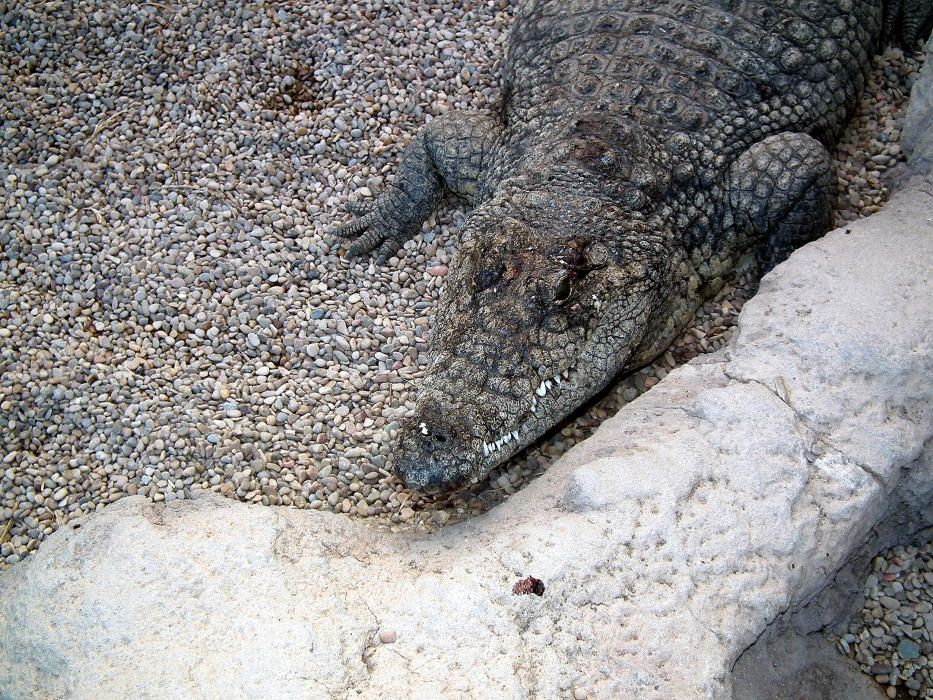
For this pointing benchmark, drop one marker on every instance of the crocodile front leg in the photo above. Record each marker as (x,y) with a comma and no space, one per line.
(781,193)
(909,20)
(451,152)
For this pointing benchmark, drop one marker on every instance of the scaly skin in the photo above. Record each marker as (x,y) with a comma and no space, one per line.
(641,149)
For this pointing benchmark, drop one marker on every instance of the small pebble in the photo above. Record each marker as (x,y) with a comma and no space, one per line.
(895,651)
(908,650)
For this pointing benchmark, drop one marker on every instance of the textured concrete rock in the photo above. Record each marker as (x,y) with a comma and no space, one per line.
(723,499)
(917,135)
(793,667)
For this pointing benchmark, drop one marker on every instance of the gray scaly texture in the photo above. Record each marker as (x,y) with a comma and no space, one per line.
(640,150)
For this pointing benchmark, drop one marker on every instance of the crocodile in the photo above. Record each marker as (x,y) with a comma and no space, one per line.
(639,150)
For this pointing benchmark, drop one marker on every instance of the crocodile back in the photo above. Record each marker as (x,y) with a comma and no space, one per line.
(726,73)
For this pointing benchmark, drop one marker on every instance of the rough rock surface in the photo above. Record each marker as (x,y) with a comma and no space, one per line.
(793,667)
(706,509)
(918,136)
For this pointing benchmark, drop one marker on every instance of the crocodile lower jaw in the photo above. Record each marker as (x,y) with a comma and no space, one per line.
(546,388)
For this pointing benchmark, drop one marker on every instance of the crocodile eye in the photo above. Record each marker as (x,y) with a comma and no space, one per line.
(596,257)
(562,291)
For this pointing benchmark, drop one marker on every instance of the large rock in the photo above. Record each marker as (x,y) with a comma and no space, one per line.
(727,498)
(917,135)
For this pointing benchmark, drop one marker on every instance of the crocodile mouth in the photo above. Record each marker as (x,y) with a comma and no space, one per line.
(547,389)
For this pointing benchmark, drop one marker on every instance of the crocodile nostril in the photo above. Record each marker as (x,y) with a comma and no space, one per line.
(433,438)
(426,456)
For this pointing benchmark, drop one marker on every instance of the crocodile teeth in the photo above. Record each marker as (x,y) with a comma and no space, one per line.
(548,384)
(495,445)
(542,390)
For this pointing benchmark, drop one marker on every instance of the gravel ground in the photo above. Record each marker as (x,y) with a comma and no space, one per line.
(892,637)
(173,314)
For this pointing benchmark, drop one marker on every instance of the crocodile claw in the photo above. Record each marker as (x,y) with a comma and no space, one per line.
(371,236)
(355,227)
(359,208)
(369,232)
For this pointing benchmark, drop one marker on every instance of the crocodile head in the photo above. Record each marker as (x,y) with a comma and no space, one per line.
(545,302)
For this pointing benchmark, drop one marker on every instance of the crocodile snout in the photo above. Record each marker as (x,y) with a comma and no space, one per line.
(429,454)
(424,476)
